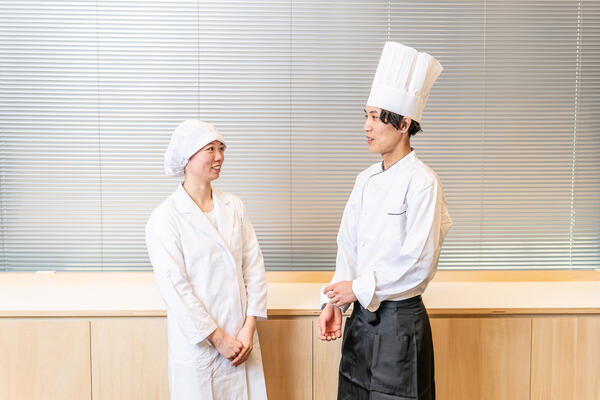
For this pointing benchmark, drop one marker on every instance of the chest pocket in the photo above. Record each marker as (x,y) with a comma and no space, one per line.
(396,223)
(398,211)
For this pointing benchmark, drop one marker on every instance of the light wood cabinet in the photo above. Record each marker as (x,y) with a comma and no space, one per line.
(482,357)
(44,359)
(286,347)
(129,358)
(565,358)
(326,362)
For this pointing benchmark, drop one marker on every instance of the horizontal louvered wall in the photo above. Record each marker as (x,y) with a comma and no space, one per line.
(91,91)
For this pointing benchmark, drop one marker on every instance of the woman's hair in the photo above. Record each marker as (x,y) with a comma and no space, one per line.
(388,117)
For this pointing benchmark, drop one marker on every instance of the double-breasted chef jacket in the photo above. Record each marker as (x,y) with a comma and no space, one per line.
(389,244)
(391,232)
(208,276)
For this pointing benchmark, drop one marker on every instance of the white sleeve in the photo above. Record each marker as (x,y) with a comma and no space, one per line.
(345,262)
(419,253)
(253,269)
(166,256)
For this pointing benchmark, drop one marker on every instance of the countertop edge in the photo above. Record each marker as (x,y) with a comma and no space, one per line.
(433,312)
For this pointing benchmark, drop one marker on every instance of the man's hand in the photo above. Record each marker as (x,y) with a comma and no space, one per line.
(246,338)
(225,344)
(330,323)
(340,293)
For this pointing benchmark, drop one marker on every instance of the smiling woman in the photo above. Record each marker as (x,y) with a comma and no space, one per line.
(210,273)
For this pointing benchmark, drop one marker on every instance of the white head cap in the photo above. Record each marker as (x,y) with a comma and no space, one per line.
(403,79)
(190,136)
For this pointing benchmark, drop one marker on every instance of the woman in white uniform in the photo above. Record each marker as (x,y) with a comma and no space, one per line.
(210,273)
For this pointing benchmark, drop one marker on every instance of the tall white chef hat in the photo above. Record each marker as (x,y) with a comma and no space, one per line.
(190,136)
(403,79)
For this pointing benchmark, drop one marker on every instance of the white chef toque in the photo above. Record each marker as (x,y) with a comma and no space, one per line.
(403,79)
(190,136)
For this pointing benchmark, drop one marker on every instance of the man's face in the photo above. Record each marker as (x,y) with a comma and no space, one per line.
(381,138)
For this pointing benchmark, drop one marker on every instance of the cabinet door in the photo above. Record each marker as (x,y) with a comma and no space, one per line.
(44,359)
(286,347)
(565,359)
(326,365)
(129,358)
(482,358)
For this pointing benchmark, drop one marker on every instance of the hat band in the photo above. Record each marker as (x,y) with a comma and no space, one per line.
(396,101)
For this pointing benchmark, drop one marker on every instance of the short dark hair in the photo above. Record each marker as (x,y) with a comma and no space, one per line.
(388,117)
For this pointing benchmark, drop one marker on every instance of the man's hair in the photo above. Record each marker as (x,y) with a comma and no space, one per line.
(388,117)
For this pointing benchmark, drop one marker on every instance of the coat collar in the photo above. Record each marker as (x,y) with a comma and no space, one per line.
(223,208)
(402,164)
(225,211)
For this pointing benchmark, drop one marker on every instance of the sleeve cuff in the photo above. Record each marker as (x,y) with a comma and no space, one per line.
(364,290)
(259,315)
(324,300)
(203,334)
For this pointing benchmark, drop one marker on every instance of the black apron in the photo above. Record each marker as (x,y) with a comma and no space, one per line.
(388,354)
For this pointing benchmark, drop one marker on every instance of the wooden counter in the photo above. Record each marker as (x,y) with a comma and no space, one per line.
(497,335)
(297,293)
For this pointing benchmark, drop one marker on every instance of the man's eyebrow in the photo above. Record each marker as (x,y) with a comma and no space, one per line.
(370,112)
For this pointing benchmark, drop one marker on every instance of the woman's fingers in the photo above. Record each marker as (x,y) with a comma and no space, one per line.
(235,347)
(242,356)
(236,359)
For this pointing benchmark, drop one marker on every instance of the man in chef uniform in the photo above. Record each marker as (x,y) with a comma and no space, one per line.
(389,244)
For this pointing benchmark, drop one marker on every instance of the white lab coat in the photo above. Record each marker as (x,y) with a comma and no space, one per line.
(208,278)
(391,232)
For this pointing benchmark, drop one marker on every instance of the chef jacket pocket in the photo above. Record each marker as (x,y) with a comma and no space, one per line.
(392,366)
(396,223)
(398,211)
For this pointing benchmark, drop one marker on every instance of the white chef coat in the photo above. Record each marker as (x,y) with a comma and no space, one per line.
(391,232)
(208,276)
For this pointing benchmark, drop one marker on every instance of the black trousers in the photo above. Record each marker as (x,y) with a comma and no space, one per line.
(388,354)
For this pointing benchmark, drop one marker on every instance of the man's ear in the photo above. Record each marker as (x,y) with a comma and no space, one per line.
(405,124)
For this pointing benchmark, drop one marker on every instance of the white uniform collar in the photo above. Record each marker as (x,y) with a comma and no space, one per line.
(400,164)
(222,209)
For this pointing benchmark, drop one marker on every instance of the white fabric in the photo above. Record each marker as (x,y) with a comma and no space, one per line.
(391,232)
(212,217)
(403,80)
(190,136)
(208,278)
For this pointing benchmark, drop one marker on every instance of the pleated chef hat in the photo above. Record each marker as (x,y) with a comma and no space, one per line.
(403,79)
(190,136)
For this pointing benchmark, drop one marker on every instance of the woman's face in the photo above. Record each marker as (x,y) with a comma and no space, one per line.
(206,163)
